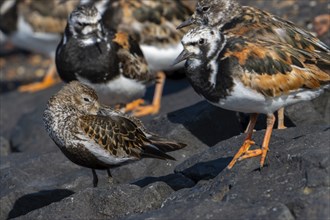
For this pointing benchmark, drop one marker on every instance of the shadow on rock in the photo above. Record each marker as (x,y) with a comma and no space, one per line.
(262,121)
(208,123)
(171,86)
(206,170)
(30,202)
(175,181)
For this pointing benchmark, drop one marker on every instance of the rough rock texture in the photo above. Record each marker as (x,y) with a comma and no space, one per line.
(294,184)
(39,182)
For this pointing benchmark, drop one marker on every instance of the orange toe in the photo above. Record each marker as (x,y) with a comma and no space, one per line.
(250,153)
(50,79)
(133,105)
(245,147)
(35,87)
(146,110)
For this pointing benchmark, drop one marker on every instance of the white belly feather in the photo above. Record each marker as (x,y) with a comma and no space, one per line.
(162,58)
(243,99)
(125,88)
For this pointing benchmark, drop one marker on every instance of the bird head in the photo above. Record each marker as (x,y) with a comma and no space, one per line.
(85,24)
(213,13)
(201,43)
(78,97)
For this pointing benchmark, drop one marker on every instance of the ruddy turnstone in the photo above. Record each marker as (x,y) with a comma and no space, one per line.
(252,76)
(36,26)
(232,18)
(95,136)
(153,25)
(110,62)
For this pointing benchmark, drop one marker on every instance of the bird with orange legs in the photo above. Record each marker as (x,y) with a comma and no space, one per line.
(252,76)
(229,17)
(153,25)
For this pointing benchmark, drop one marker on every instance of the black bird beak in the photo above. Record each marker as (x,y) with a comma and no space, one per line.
(182,56)
(186,23)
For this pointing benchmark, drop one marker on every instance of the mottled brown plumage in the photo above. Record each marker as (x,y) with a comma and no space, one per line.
(96,136)
(149,22)
(131,59)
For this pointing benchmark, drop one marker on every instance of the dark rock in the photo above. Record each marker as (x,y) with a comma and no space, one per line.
(322,105)
(37,200)
(175,181)
(15,104)
(105,203)
(30,130)
(283,189)
(305,113)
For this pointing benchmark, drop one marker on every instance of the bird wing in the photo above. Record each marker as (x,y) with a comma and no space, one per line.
(117,135)
(275,68)
(149,22)
(131,59)
(258,24)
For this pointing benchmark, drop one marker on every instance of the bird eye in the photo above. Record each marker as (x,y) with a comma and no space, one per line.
(79,23)
(86,99)
(205,8)
(201,41)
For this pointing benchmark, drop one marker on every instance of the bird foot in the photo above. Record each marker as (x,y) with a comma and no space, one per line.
(35,87)
(255,153)
(112,181)
(133,105)
(244,149)
(280,126)
(146,110)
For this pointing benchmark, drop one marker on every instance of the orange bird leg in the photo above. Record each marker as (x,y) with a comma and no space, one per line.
(263,151)
(49,80)
(156,102)
(247,142)
(265,143)
(280,116)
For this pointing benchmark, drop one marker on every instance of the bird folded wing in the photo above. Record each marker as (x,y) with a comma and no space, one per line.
(275,69)
(134,65)
(118,135)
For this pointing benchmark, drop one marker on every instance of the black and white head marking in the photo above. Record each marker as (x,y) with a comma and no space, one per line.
(85,24)
(203,42)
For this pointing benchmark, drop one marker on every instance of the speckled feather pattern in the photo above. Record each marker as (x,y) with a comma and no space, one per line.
(96,136)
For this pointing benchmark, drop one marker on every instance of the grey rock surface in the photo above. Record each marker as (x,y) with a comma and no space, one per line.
(39,182)
(294,184)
